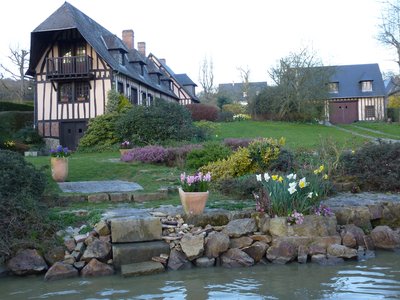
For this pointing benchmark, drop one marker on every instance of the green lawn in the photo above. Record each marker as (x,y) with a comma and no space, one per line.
(386,130)
(298,135)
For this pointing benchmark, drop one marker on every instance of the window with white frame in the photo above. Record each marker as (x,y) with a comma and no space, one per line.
(333,87)
(366,86)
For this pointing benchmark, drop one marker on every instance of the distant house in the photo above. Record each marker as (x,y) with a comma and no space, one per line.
(357,93)
(74,62)
(241,92)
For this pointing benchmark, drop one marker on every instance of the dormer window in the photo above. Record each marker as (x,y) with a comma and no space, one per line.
(333,87)
(366,86)
(118,56)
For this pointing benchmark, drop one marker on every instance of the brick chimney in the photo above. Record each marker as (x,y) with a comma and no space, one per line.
(163,61)
(142,48)
(128,38)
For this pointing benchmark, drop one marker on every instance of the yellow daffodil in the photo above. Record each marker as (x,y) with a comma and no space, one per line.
(325,176)
(321,168)
(280,179)
(274,177)
(316,171)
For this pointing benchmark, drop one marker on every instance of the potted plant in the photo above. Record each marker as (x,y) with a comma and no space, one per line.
(124,147)
(194,192)
(59,163)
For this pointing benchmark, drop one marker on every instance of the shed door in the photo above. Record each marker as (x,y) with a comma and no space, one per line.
(71,133)
(343,112)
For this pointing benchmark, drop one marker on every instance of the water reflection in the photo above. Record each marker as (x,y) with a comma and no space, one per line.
(377,278)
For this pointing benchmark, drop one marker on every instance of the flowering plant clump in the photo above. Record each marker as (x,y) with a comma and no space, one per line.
(195,183)
(241,117)
(289,193)
(60,151)
(323,210)
(295,218)
(9,144)
(126,145)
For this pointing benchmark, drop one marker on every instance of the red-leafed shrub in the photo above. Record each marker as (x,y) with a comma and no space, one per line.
(203,112)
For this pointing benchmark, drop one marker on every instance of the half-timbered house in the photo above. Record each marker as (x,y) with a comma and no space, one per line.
(356,93)
(74,62)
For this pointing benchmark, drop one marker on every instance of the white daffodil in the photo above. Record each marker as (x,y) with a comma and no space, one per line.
(292,190)
(258,176)
(266,177)
(309,195)
(303,183)
(291,176)
(292,184)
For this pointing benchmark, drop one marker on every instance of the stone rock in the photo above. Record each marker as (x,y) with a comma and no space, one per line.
(149,197)
(390,215)
(313,226)
(90,239)
(316,249)
(77,255)
(357,215)
(212,218)
(216,243)
(325,241)
(120,197)
(323,260)
(302,254)
(265,238)
(348,239)
(385,238)
(27,262)
(282,252)
(192,245)
(99,197)
(97,268)
(98,249)
(134,229)
(60,270)
(369,243)
(80,247)
(375,211)
(262,221)
(105,238)
(239,227)
(54,255)
(124,254)
(69,259)
(341,251)
(364,254)
(142,268)
(256,251)
(353,232)
(241,242)
(178,261)
(204,262)
(79,264)
(235,257)
(102,228)
(80,238)
(70,244)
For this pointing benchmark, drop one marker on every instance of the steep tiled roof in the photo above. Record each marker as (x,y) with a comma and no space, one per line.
(102,40)
(235,90)
(349,78)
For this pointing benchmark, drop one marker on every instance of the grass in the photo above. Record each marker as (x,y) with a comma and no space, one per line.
(385,130)
(298,135)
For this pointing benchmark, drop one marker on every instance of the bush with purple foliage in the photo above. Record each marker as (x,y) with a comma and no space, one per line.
(235,143)
(148,154)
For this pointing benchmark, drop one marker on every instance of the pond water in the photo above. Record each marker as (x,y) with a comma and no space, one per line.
(376,278)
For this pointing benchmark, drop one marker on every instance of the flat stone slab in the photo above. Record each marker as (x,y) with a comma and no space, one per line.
(134,229)
(124,254)
(88,187)
(143,268)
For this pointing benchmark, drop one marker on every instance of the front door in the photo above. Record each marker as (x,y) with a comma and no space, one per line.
(71,133)
(345,112)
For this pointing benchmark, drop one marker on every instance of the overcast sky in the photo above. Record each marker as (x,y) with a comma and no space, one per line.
(252,34)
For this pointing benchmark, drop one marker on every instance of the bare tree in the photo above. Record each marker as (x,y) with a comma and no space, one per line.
(206,78)
(20,58)
(244,75)
(389,29)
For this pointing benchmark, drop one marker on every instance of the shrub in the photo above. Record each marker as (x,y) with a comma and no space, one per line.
(148,154)
(225,116)
(241,187)
(208,129)
(22,215)
(235,143)
(235,108)
(285,162)
(177,155)
(13,121)
(241,117)
(29,135)
(375,166)
(237,164)
(161,122)
(101,133)
(205,112)
(210,152)
(264,151)
(12,106)
(116,102)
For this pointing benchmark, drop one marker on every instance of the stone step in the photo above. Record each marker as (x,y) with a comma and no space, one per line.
(135,229)
(129,253)
(142,268)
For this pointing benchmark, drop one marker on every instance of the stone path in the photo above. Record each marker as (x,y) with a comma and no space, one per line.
(88,187)
(361,199)
(374,139)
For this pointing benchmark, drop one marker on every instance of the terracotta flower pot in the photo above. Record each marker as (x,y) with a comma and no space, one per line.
(193,202)
(59,168)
